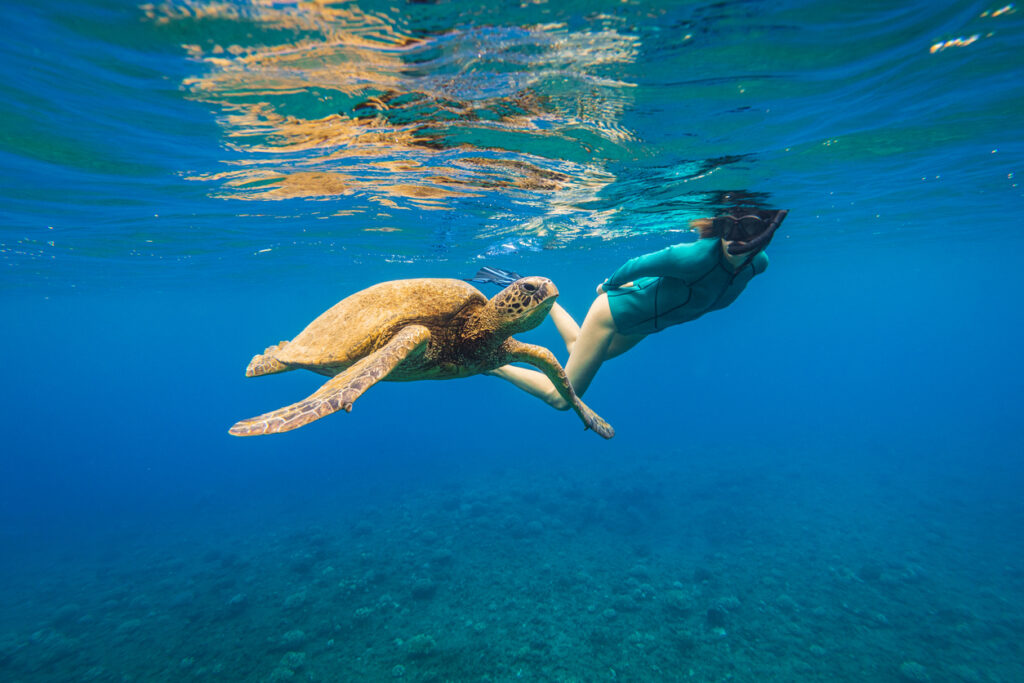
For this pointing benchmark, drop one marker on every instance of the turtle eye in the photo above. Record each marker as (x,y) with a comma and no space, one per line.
(529,287)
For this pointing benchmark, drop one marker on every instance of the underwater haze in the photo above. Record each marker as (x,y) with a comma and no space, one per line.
(821,482)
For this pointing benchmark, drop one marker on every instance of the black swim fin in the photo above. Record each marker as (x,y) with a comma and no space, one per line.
(502,278)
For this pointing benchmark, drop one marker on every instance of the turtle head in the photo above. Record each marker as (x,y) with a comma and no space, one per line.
(523,304)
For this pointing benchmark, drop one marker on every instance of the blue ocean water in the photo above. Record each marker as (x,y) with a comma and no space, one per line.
(821,482)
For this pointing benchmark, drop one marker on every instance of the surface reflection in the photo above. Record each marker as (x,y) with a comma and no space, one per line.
(324,100)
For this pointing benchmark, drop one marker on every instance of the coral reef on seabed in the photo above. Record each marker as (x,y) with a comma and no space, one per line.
(692,576)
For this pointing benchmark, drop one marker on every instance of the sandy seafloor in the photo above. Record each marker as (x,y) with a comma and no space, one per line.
(718,567)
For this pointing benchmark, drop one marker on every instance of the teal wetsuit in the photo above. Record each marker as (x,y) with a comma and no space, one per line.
(675,285)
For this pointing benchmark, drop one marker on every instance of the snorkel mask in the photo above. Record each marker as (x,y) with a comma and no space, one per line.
(751,232)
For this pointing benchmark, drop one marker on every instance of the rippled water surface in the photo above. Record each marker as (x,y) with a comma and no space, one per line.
(250,135)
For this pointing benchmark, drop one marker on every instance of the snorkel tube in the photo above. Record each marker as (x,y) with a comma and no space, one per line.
(736,236)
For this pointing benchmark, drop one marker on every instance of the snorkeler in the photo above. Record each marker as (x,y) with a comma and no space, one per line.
(649,293)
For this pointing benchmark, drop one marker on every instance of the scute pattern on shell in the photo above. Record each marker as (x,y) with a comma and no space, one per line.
(363,322)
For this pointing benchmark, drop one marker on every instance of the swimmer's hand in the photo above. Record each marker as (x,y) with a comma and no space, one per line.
(605,287)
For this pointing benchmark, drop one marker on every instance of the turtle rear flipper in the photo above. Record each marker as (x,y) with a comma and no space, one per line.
(341,391)
(265,363)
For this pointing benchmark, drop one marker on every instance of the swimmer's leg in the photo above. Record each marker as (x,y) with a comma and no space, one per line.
(622,343)
(566,326)
(592,345)
(589,352)
(532,382)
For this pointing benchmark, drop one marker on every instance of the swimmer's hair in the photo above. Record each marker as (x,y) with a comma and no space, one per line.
(705,227)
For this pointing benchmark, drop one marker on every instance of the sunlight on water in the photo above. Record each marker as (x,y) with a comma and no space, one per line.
(416,118)
(304,132)
(965,40)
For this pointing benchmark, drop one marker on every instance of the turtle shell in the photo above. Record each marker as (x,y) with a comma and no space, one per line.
(363,322)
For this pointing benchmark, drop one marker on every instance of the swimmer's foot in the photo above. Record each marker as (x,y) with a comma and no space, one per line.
(497,276)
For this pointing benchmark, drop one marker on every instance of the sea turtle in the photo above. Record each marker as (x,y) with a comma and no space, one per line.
(406,330)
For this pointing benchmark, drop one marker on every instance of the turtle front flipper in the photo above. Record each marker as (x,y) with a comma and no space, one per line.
(545,361)
(340,391)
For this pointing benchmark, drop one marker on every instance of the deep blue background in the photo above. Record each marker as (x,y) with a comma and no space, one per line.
(893,357)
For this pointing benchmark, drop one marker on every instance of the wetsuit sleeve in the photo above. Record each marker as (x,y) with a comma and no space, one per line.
(679,261)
